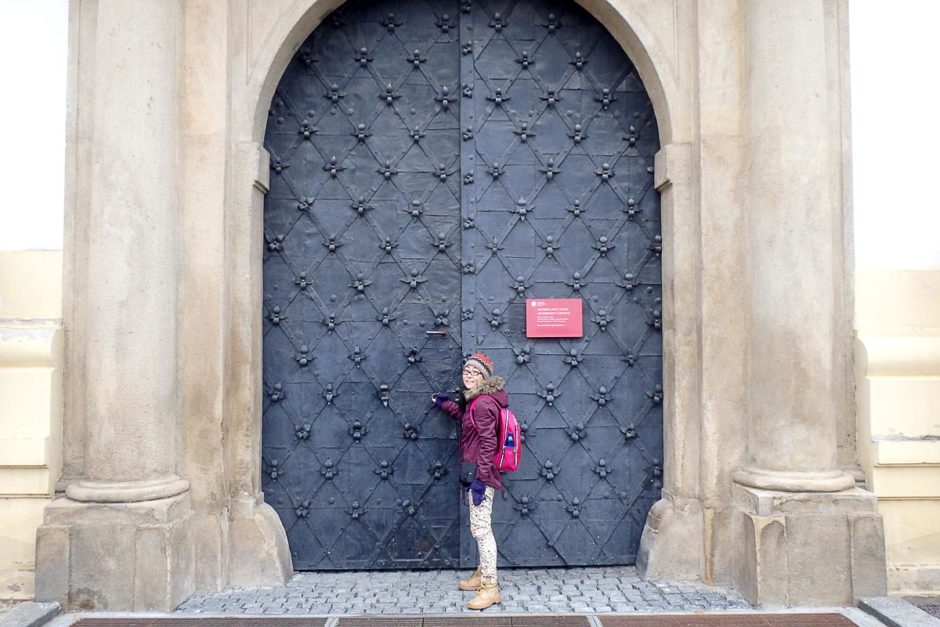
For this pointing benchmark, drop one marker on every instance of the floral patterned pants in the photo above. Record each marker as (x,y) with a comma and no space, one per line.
(481,529)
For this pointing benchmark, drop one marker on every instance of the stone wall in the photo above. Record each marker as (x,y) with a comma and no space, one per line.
(898,379)
(167,106)
(30,408)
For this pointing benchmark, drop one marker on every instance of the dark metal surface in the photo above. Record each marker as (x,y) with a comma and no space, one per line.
(434,164)
(361,290)
(563,138)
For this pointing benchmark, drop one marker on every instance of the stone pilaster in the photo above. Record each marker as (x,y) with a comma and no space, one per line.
(796,517)
(792,257)
(122,536)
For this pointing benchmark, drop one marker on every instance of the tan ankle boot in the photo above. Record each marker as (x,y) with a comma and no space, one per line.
(487,595)
(471,584)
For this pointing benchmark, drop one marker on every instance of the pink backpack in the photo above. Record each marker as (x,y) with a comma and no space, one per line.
(508,439)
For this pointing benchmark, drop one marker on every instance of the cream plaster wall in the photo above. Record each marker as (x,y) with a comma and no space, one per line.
(30,408)
(898,395)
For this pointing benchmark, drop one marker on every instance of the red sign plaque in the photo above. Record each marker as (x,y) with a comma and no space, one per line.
(553,317)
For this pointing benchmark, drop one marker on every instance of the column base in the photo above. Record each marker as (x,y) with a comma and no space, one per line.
(257,545)
(793,481)
(807,548)
(119,557)
(673,542)
(126,491)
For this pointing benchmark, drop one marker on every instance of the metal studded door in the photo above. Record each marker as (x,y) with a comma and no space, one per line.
(361,284)
(434,164)
(560,140)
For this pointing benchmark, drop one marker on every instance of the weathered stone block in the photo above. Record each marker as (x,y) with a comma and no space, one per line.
(101,564)
(793,553)
(867,556)
(52,550)
(763,567)
(672,545)
(719,560)
(29,614)
(151,546)
(818,547)
(182,562)
(258,549)
(210,534)
(119,557)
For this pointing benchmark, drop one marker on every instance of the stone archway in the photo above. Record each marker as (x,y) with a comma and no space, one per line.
(708,186)
(673,180)
(628,28)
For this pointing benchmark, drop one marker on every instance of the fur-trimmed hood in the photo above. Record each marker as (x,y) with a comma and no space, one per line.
(492,386)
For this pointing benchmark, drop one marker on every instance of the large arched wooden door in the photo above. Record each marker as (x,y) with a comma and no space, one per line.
(434,164)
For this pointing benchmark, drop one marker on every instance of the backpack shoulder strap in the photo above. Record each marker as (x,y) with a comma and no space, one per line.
(473,404)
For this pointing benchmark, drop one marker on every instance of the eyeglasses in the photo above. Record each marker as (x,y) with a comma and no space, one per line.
(472,372)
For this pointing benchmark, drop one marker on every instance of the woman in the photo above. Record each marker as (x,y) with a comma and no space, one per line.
(484,395)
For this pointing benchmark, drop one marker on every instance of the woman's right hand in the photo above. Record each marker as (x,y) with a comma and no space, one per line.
(440,398)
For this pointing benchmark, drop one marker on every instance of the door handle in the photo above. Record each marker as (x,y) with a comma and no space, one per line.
(440,333)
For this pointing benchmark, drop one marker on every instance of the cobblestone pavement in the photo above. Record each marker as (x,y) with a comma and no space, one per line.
(583,590)
(930,605)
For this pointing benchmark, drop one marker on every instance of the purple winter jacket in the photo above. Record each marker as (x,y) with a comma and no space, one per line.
(478,444)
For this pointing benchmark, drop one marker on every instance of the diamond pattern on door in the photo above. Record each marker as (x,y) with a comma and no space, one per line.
(434,164)
(564,138)
(361,284)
